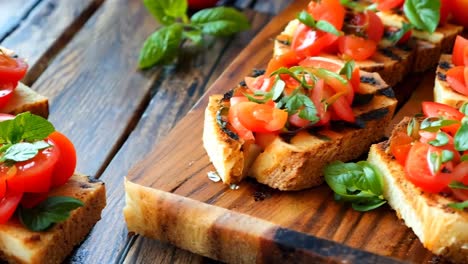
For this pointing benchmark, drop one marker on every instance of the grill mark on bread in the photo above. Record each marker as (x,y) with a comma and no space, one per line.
(387,52)
(445,65)
(388,92)
(441,76)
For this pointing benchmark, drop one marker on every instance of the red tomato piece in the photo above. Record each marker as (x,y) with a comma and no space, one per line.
(400,146)
(456,79)
(419,173)
(260,117)
(309,42)
(200,4)
(34,175)
(6,91)
(11,69)
(460,51)
(8,205)
(30,200)
(264,139)
(297,121)
(287,60)
(357,48)
(66,164)
(374,27)
(343,110)
(445,8)
(318,97)
(259,83)
(330,10)
(433,109)
(387,5)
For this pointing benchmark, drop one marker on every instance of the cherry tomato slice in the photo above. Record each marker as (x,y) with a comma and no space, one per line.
(375,27)
(34,175)
(400,146)
(357,48)
(460,51)
(343,110)
(66,164)
(433,109)
(30,200)
(308,42)
(329,10)
(418,171)
(456,79)
(388,5)
(8,205)
(11,69)
(6,92)
(445,7)
(260,117)
(287,60)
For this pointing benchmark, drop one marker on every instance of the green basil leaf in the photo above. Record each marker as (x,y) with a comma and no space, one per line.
(306,19)
(459,206)
(167,11)
(160,46)
(348,69)
(461,137)
(370,205)
(324,74)
(458,185)
(309,112)
(447,155)
(464,157)
(433,124)
(413,127)
(53,210)
(25,127)
(434,161)
(277,89)
(464,109)
(220,21)
(355,6)
(326,26)
(20,152)
(423,14)
(395,37)
(373,177)
(440,140)
(194,35)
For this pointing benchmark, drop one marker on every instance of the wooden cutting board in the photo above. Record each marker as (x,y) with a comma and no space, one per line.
(254,223)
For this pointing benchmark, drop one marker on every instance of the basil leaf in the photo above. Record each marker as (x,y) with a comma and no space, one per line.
(306,19)
(277,89)
(395,37)
(434,161)
(461,137)
(194,35)
(359,183)
(348,69)
(25,127)
(166,11)
(464,157)
(413,127)
(309,112)
(458,185)
(23,151)
(464,109)
(433,124)
(447,155)
(53,210)
(220,21)
(423,14)
(324,74)
(160,46)
(459,206)
(440,140)
(326,26)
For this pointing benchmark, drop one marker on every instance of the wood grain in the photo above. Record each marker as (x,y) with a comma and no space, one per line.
(179,165)
(61,19)
(12,13)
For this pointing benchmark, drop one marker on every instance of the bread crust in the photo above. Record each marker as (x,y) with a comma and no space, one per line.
(20,245)
(443,93)
(440,228)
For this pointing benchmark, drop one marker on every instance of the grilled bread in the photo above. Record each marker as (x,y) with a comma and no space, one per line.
(295,162)
(440,228)
(443,93)
(20,245)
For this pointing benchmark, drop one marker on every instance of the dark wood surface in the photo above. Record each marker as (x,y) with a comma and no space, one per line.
(82,55)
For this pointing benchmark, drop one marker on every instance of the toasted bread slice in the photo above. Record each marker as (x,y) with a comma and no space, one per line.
(443,93)
(391,63)
(20,245)
(296,163)
(428,47)
(24,99)
(440,228)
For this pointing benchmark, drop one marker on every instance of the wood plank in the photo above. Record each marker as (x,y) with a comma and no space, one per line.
(12,13)
(46,30)
(173,99)
(271,7)
(177,168)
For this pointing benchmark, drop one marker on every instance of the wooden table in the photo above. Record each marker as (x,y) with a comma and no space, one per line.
(82,55)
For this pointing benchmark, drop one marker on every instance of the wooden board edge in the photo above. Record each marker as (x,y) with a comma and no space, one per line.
(228,236)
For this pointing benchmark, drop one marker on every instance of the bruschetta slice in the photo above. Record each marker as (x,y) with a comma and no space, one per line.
(285,140)
(45,208)
(451,81)
(425,173)
(15,97)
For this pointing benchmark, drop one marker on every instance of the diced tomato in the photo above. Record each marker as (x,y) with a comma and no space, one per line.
(356,48)
(341,89)
(400,146)
(6,92)
(419,173)
(310,42)
(318,96)
(287,60)
(259,83)
(329,10)
(238,99)
(460,173)
(460,51)
(259,117)
(456,79)
(297,121)
(433,109)
(264,139)
(388,5)
(243,132)
(458,8)
(343,110)
(375,27)
(8,205)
